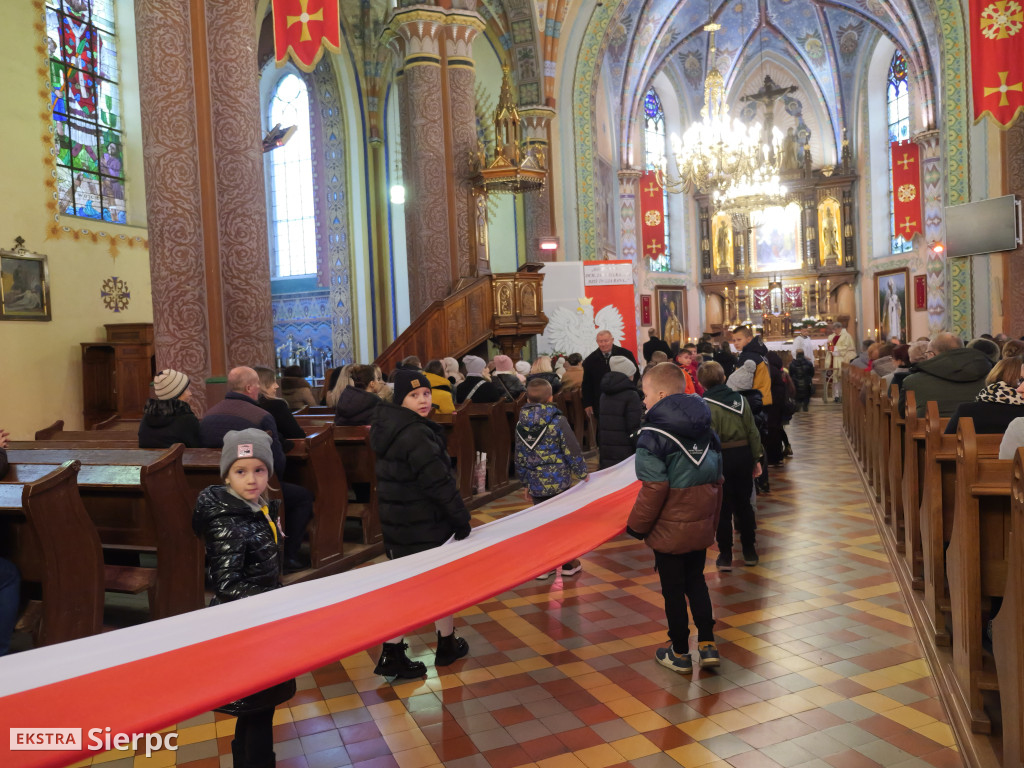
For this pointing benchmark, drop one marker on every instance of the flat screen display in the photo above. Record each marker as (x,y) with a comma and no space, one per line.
(987,226)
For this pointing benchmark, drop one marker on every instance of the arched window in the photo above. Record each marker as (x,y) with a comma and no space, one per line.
(86,104)
(291,211)
(654,158)
(898,102)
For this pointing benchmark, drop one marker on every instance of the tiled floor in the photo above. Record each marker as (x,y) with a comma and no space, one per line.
(820,665)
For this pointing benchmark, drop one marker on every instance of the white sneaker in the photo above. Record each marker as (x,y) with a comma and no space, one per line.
(571,569)
(544,576)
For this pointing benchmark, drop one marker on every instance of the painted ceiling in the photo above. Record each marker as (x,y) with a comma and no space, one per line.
(824,45)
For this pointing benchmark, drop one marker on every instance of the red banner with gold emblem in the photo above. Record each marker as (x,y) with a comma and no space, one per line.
(303,28)
(906,188)
(652,216)
(997,59)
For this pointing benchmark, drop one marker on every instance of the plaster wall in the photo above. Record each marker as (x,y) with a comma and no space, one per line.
(42,360)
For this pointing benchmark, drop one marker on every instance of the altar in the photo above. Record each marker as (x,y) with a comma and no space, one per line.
(777,326)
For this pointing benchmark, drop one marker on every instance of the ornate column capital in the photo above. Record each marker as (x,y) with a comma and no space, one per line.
(460,31)
(535,122)
(420,28)
(629,179)
(930,143)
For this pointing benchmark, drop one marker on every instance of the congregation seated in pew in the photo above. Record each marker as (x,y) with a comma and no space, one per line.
(998,403)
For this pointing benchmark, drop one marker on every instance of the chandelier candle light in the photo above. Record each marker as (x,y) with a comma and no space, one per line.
(722,157)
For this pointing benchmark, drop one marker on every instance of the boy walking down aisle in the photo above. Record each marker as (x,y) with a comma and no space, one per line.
(678,460)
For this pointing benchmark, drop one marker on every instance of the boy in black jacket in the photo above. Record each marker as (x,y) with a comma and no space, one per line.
(621,411)
(801,372)
(419,502)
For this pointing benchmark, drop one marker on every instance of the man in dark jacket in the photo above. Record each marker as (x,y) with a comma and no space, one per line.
(240,410)
(953,375)
(654,344)
(801,371)
(621,411)
(594,369)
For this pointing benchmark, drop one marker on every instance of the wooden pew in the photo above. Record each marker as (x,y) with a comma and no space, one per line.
(123,437)
(459,434)
(491,436)
(314,464)
(353,446)
(883,454)
(576,415)
(896,448)
(1008,628)
(139,501)
(938,472)
(977,566)
(913,461)
(108,423)
(872,442)
(47,533)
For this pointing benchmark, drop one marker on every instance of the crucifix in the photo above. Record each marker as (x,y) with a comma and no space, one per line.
(770,92)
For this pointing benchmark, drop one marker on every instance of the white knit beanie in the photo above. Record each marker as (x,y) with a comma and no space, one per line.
(622,364)
(169,384)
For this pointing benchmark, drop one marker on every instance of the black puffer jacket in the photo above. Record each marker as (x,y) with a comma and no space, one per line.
(418,498)
(621,411)
(801,371)
(166,422)
(355,407)
(241,553)
(549,377)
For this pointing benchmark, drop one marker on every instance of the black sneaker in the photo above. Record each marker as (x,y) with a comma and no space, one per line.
(750,556)
(724,562)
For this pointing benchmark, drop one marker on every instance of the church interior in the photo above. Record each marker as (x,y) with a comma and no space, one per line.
(443,178)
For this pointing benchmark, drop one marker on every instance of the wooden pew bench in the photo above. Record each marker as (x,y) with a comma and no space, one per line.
(459,435)
(352,445)
(491,435)
(46,532)
(1008,627)
(897,445)
(139,501)
(977,566)
(935,518)
(913,468)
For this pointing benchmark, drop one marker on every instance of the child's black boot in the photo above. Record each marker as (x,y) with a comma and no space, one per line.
(394,663)
(449,649)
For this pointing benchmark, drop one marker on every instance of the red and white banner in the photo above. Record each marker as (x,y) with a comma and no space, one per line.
(303,28)
(794,295)
(652,216)
(997,59)
(609,287)
(906,189)
(145,678)
(760,301)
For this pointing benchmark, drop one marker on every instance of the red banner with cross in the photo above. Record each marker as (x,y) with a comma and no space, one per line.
(997,59)
(303,28)
(906,189)
(652,216)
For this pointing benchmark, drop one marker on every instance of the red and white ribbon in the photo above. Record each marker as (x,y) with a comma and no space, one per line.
(145,678)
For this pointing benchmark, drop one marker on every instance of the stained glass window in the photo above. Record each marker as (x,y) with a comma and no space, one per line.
(86,104)
(292,211)
(654,158)
(898,101)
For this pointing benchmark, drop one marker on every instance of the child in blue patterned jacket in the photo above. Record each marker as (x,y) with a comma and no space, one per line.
(547,453)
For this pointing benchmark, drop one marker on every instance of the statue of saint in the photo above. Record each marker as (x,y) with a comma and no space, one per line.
(790,156)
(722,246)
(829,237)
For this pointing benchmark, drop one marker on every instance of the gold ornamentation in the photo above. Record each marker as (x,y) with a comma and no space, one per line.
(906,193)
(1002,19)
(652,218)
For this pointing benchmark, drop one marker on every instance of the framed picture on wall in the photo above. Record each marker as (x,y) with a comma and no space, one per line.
(645,309)
(671,308)
(24,286)
(891,304)
(920,292)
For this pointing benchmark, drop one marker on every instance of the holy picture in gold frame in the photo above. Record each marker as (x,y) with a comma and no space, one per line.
(776,242)
(722,237)
(24,286)
(830,232)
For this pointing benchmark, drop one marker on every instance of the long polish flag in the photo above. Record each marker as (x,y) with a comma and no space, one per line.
(145,678)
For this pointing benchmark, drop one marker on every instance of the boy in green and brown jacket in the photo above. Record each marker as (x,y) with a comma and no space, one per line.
(733,420)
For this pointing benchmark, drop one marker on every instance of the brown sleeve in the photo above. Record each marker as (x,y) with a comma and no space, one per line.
(647,507)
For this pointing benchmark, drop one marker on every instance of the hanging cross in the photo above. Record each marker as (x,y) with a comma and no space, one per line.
(652,189)
(907,224)
(906,161)
(766,97)
(654,247)
(1002,89)
(304,18)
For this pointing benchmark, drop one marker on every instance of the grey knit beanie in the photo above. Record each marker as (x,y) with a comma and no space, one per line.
(246,444)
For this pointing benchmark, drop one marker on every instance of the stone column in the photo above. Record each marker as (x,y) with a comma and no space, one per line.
(428,203)
(931,206)
(462,28)
(187,319)
(536,125)
(240,194)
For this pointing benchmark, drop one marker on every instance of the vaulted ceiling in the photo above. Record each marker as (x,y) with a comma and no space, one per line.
(821,45)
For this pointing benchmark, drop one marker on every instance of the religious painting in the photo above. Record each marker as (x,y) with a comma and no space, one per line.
(920,292)
(891,304)
(24,286)
(671,303)
(775,246)
(830,241)
(721,231)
